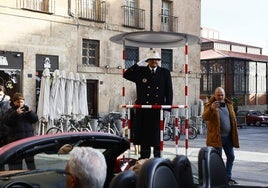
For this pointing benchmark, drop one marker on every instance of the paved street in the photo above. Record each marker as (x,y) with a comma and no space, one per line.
(251,164)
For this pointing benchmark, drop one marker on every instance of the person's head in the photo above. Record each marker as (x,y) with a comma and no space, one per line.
(18,100)
(86,168)
(219,94)
(152,58)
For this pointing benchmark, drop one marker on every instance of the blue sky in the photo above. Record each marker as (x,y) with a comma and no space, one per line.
(243,21)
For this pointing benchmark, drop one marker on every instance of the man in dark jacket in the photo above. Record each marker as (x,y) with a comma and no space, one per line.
(19,120)
(154,87)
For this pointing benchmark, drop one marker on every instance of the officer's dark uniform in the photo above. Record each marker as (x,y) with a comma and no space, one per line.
(151,89)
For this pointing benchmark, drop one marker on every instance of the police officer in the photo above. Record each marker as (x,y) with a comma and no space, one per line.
(154,87)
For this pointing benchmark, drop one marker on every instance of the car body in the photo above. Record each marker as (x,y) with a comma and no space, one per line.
(251,117)
(50,164)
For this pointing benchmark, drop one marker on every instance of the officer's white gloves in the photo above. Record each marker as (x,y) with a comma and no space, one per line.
(142,63)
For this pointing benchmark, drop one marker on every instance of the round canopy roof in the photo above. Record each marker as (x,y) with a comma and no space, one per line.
(152,39)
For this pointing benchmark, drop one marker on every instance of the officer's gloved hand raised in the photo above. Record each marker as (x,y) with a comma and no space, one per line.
(142,63)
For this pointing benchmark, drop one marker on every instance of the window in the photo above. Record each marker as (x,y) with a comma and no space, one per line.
(168,21)
(92,10)
(217,73)
(261,77)
(38,5)
(91,52)
(133,16)
(204,78)
(239,77)
(166,59)
(252,77)
(131,56)
(165,12)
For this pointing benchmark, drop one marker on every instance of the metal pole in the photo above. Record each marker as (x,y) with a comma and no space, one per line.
(151,16)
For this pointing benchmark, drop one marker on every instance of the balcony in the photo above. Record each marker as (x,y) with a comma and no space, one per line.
(45,6)
(94,10)
(134,17)
(169,23)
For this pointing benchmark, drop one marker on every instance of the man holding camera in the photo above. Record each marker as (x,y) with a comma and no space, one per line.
(19,120)
(222,130)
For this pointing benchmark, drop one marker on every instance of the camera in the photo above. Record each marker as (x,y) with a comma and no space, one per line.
(222,104)
(25,108)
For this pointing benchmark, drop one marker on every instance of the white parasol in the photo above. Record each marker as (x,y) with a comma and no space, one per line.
(83,109)
(53,94)
(76,95)
(69,94)
(43,102)
(60,98)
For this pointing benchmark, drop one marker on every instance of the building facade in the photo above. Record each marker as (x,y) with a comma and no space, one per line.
(240,69)
(73,36)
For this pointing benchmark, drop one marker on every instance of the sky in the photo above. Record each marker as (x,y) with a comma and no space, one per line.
(242,21)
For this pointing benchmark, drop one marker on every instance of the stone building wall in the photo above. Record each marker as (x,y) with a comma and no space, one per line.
(61,34)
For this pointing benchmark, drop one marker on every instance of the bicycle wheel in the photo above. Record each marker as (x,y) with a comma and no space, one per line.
(72,129)
(167,133)
(53,130)
(84,129)
(104,129)
(192,132)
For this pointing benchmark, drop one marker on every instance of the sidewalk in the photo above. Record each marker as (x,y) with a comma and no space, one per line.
(250,168)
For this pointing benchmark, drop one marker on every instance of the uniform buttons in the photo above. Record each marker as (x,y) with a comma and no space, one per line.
(147,102)
(149,87)
(156,95)
(148,94)
(157,87)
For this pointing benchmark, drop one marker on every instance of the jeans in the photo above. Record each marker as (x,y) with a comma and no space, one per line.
(228,148)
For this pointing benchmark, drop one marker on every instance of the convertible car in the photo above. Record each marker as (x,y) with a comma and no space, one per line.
(50,164)
(50,157)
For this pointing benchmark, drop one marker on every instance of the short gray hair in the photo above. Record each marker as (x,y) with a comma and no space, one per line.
(89,166)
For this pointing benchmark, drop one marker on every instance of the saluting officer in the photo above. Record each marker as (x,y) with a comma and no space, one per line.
(154,87)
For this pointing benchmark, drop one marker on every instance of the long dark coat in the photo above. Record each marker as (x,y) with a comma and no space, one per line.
(19,125)
(151,89)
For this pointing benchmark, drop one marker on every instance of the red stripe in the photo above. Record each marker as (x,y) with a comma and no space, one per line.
(123,91)
(161,145)
(186,67)
(136,106)
(186,91)
(176,139)
(155,106)
(186,49)
(124,55)
(161,125)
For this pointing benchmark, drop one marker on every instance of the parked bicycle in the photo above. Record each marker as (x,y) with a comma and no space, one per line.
(58,126)
(71,125)
(109,123)
(81,125)
(170,129)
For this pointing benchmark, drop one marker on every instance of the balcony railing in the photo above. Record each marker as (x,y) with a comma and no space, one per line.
(169,23)
(134,17)
(94,10)
(46,6)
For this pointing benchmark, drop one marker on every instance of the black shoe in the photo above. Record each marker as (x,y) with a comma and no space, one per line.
(232,182)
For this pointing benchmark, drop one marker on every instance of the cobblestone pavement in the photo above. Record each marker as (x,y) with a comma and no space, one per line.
(251,163)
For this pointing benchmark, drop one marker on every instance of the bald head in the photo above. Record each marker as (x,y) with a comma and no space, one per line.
(219,94)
